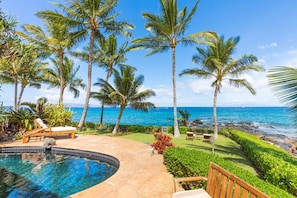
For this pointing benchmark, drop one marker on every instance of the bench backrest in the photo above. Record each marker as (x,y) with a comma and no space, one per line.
(221,183)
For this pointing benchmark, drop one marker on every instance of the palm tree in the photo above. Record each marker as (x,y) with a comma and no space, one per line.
(89,17)
(215,62)
(58,41)
(32,75)
(107,54)
(125,91)
(167,31)
(38,108)
(52,76)
(185,117)
(13,64)
(283,81)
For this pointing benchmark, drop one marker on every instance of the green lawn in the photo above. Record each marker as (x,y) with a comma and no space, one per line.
(224,147)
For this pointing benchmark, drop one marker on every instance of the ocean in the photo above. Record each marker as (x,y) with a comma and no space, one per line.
(271,120)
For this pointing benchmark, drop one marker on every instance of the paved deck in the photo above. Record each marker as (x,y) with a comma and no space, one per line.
(141,174)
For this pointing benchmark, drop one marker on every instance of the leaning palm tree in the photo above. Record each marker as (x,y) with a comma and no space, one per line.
(167,31)
(90,17)
(125,91)
(283,80)
(70,80)
(57,40)
(215,62)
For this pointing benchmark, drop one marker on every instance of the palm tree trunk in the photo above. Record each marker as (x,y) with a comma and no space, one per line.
(15,93)
(61,77)
(84,114)
(20,96)
(215,123)
(116,127)
(101,116)
(176,130)
(102,106)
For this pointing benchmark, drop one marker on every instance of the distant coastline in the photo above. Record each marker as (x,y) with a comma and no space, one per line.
(271,120)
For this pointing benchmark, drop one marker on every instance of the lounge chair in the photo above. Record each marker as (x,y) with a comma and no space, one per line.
(190,136)
(43,130)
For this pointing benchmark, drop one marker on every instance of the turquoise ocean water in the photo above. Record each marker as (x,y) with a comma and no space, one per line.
(273,120)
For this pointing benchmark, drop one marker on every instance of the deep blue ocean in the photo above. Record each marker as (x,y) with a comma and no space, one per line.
(273,120)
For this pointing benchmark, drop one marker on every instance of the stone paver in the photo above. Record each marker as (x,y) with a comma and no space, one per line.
(141,174)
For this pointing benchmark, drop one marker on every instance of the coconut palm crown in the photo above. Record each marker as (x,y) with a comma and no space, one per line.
(167,30)
(216,62)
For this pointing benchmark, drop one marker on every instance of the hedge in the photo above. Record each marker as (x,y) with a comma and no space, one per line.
(183,162)
(277,166)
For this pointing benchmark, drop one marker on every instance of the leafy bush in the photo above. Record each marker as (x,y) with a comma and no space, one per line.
(183,162)
(163,142)
(58,115)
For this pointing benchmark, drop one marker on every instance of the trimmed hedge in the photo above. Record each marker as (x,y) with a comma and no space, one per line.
(276,165)
(183,162)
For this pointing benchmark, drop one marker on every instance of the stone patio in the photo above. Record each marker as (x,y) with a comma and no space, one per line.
(142,174)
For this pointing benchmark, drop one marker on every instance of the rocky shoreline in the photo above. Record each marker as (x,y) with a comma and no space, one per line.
(281,141)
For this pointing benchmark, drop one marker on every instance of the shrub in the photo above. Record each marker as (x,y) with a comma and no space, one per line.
(58,115)
(163,142)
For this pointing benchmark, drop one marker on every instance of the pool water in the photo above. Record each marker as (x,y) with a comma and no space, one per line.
(49,175)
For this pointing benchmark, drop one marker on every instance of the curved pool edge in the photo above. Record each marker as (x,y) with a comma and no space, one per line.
(140,174)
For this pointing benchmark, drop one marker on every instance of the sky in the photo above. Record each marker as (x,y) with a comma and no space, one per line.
(267,29)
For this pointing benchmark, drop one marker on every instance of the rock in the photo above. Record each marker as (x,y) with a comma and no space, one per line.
(48,143)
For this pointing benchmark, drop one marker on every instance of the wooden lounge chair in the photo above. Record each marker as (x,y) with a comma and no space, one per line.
(190,136)
(220,183)
(43,130)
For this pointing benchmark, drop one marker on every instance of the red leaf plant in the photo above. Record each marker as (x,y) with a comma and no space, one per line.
(163,142)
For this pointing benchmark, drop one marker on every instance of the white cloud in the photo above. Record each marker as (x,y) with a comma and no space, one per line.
(268,46)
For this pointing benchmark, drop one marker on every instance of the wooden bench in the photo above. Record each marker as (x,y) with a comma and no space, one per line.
(220,183)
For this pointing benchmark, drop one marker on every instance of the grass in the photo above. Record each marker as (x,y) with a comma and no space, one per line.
(224,147)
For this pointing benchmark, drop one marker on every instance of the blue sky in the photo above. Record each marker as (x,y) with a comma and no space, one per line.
(268,29)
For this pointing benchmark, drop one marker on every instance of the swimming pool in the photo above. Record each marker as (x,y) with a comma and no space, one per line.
(36,172)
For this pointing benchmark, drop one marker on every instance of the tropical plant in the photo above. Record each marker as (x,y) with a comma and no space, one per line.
(283,80)
(163,141)
(125,91)
(32,75)
(58,115)
(89,17)
(37,108)
(216,62)
(167,31)
(107,55)
(14,64)
(52,77)
(56,40)
(185,117)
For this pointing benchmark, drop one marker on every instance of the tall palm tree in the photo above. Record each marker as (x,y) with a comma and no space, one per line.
(90,17)
(167,31)
(70,80)
(216,62)
(283,80)
(108,55)
(56,40)
(125,91)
